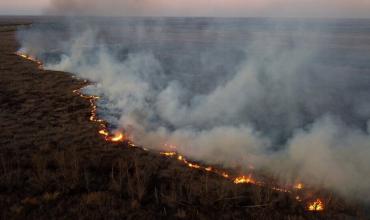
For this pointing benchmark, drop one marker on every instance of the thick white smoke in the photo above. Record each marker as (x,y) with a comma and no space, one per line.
(281,108)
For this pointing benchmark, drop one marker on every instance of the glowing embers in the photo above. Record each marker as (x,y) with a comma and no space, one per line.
(31,58)
(316,205)
(244,179)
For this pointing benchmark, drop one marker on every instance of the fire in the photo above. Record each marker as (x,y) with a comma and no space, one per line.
(168,154)
(193,165)
(299,186)
(103,132)
(117,137)
(236,180)
(244,179)
(225,175)
(31,58)
(317,205)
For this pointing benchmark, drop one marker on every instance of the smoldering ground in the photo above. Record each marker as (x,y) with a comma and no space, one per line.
(290,98)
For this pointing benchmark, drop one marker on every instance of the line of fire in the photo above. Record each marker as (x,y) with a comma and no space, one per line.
(298,189)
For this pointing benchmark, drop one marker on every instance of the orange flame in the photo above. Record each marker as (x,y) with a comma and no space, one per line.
(225,175)
(31,58)
(299,186)
(193,165)
(117,137)
(244,179)
(168,154)
(317,205)
(103,132)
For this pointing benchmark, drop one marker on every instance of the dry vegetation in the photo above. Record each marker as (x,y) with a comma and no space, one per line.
(54,165)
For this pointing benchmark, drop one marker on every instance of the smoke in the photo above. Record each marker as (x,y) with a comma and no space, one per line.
(282,97)
(340,155)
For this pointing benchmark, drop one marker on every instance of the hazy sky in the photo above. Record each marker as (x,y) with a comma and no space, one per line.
(270,8)
(23,7)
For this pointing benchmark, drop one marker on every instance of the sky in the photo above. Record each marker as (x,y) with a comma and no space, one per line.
(223,8)
(23,7)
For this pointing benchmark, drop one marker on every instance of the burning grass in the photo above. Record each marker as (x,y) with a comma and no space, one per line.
(54,164)
(316,205)
(119,137)
(30,58)
(116,136)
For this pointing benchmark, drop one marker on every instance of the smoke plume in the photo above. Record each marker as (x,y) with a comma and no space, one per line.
(291,99)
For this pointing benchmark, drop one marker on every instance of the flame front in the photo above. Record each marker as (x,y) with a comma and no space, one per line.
(31,58)
(236,179)
(244,179)
(196,166)
(104,132)
(299,186)
(193,165)
(117,137)
(120,137)
(317,205)
(168,154)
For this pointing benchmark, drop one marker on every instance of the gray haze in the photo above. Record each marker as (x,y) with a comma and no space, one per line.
(203,8)
(216,8)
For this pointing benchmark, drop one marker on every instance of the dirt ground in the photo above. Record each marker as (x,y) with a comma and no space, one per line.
(54,165)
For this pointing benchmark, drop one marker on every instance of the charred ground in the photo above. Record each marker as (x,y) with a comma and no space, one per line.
(54,165)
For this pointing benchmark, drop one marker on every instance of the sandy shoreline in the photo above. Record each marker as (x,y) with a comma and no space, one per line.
(54,163)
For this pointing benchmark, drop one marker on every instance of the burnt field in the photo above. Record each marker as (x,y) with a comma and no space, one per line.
(53,163)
